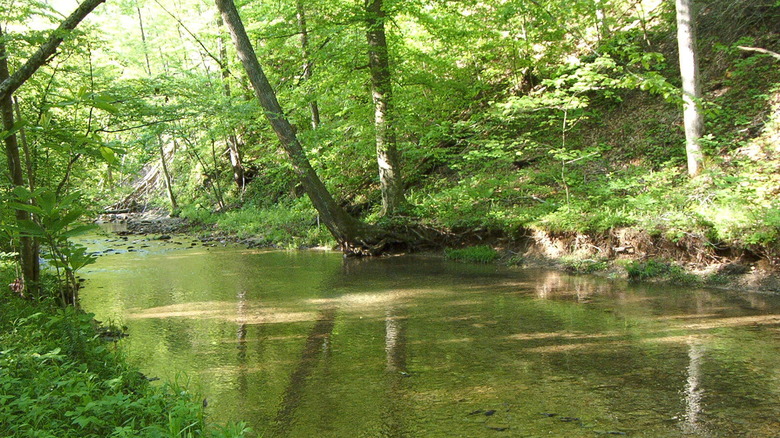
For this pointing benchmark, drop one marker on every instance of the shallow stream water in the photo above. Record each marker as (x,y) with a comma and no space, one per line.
(308,344)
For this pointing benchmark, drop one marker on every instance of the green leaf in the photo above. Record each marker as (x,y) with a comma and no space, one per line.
(16,128)
(62,222)
(105,104)
(27,207)
(47,201)
(79,230)
(108,154)
(23,193)
(30,228)
(78,258)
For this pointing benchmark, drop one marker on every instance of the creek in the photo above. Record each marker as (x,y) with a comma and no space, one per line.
(309,344)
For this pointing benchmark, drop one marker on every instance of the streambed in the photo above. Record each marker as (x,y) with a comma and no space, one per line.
(308,343)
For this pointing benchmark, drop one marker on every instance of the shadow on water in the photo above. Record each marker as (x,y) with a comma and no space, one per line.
(315,349)
(309,344)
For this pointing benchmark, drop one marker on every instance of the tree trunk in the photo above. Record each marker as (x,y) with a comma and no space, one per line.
(28,251)
(143,41)
(45,52)
(167,174)
(307,63)
(601,21)
(386,151)
(232,140)
(350,233)
(689,71)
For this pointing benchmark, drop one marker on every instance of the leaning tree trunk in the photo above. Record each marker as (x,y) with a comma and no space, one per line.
(28,247)
(382,90)
(167,179)
(232,141)
(689,71)
(352,235)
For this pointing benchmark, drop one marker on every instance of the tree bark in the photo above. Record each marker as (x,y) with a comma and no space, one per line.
(689,72)
(382,91)
(307,62)
(143,41)
(601,21)
(167,175)
(44,53)
(28,247)
(232,140)
(350,233)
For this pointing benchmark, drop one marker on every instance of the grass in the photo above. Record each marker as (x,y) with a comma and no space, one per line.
(292,224)
(472,254)
(660,270)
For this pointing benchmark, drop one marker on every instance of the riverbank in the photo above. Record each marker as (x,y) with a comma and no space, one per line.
(62,375)
(621,253)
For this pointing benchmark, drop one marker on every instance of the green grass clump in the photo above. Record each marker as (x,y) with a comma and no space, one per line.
(586,266)
(473,254)
(58,378)
(646,270)
(658,270)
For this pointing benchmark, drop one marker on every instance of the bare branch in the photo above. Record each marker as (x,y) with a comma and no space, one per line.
(759,50)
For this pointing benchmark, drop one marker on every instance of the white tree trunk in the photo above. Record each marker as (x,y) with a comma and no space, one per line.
(689,71)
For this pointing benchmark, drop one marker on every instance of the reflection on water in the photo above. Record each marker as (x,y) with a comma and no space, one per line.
(309,344)
(693,390)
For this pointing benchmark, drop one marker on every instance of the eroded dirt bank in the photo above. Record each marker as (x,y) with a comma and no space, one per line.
(691,259)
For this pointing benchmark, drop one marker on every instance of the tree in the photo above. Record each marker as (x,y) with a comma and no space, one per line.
(8,85)
(167,175)
(689,71)
(232,139)
(28,251)
(352,235)
(382,91)
(300,13)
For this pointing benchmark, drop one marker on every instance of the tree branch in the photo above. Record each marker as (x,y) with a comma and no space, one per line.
(144,125)
(45,52)
(759,50)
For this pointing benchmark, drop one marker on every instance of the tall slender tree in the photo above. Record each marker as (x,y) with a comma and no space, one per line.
(689,71)
(167,175)
(308,65)
(387,155)
(234,151)
(28,253)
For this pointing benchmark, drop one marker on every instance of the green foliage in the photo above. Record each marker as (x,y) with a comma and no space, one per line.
(59,378)
(659,270)
(292,224)
(584,266)
(639,270)
(472,254)
(508,116)
(54,221)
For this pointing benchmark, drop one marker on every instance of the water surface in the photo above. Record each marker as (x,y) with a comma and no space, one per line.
(308,344)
